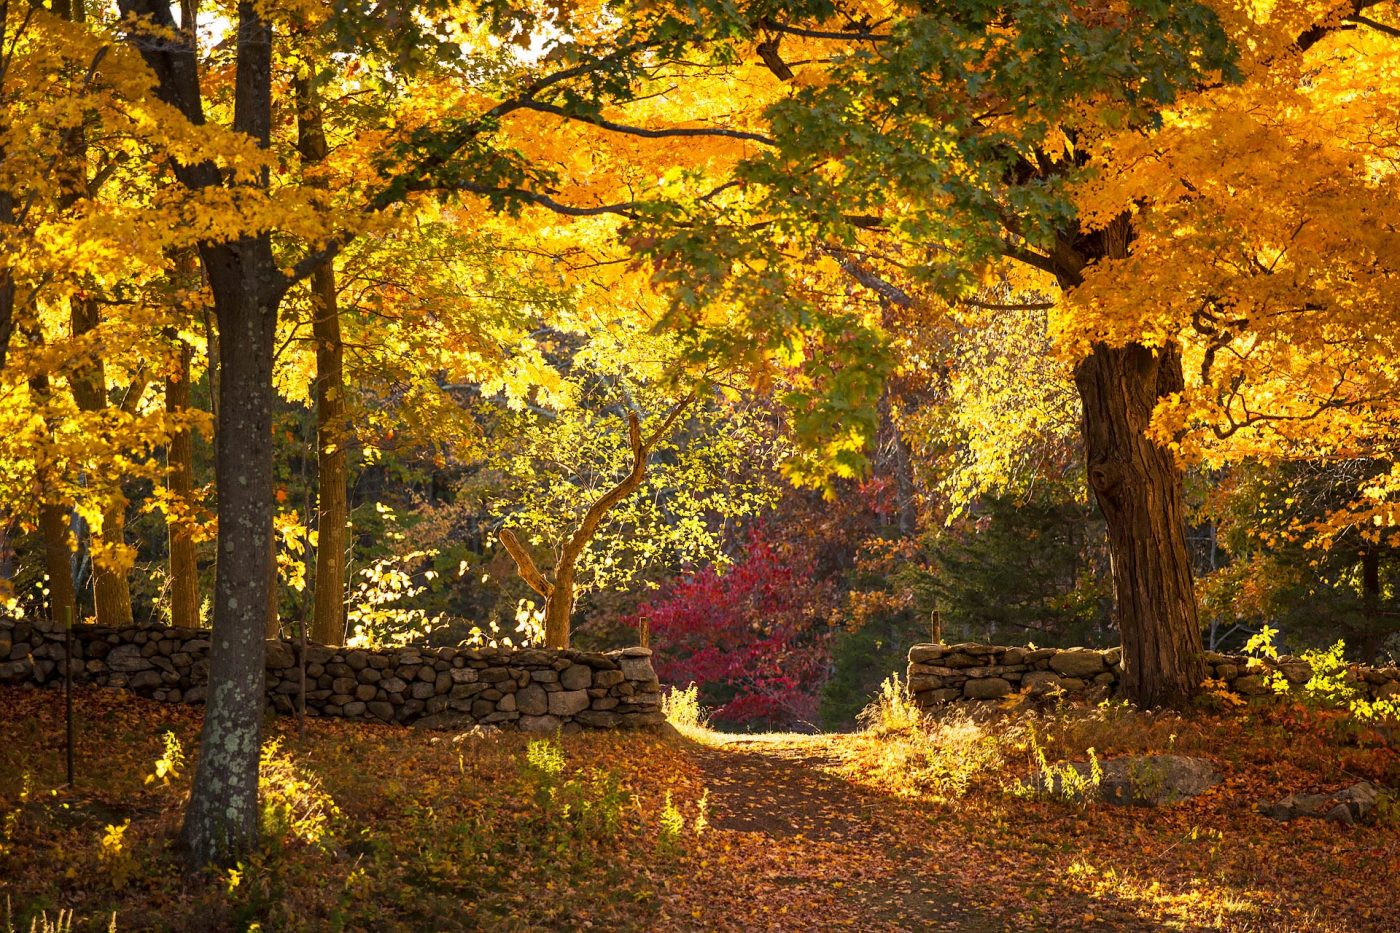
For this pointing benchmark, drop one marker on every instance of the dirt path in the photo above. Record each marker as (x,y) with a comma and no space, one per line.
(809,835)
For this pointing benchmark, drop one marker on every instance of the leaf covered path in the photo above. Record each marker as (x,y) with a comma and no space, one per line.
(834,850)
(810,834)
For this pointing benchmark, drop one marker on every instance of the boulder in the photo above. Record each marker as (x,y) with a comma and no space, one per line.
(1040,682)
(544,723)
(637,669)
(444,722)
(1139,781)
(922,654)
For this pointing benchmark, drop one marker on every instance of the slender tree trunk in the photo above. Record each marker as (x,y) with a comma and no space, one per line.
(111,587)
(332,473)
(179,461)
(1139,490)
(272,626)
(332,469)
(1373,636)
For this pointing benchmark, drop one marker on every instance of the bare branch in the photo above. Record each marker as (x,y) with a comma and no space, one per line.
(645,133)
(524,563)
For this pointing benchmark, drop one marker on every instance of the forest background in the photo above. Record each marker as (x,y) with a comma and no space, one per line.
(857,381)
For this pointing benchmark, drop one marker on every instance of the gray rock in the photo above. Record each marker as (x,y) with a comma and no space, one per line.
(1078,662)
(637,669)
(544,723)
(144,680)
(444,721)
(126,659)
(576,677)
(381,709)
(1140,781)
(1348,805)
(598,719)
(532,701)
(922,654)
(1041,682)
(568,702)
(422,690)
(393,685)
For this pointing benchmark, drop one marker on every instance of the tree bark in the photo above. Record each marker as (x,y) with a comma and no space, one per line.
(221,821)
(332,469)
(111,587)
(1373,636)
(179,462)
(1138,487)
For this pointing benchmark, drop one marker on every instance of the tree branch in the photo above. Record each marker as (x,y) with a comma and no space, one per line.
(642,131)
(524,563)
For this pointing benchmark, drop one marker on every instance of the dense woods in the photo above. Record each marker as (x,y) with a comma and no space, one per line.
(774,337)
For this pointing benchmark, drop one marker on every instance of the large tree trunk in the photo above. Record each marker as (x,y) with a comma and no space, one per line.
(332,468)
(1139,489)
(221,821)
(179,462)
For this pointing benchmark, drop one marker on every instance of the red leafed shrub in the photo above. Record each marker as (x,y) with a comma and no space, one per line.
(755,637)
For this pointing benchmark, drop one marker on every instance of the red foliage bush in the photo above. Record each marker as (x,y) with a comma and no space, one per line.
(755,637)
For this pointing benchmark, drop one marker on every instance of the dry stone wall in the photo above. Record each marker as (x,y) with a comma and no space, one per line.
(941,674)
(528,689)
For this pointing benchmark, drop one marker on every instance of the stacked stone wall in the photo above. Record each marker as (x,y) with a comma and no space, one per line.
(941,674)
(530,689)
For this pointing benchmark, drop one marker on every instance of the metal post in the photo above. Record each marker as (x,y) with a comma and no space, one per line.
(301,700)
(68,688)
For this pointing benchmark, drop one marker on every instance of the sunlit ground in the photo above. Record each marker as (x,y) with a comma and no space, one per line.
(382,828)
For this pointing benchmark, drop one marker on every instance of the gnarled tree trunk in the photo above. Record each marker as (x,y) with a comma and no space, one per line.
(1138,487)
(559,593)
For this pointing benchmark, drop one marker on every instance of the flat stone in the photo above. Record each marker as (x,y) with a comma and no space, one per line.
(381,709)
(920,654)
(598,719)
(986,688)
(126,659)
(544,723)
(637,669)
(444,722)
(1078,662)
